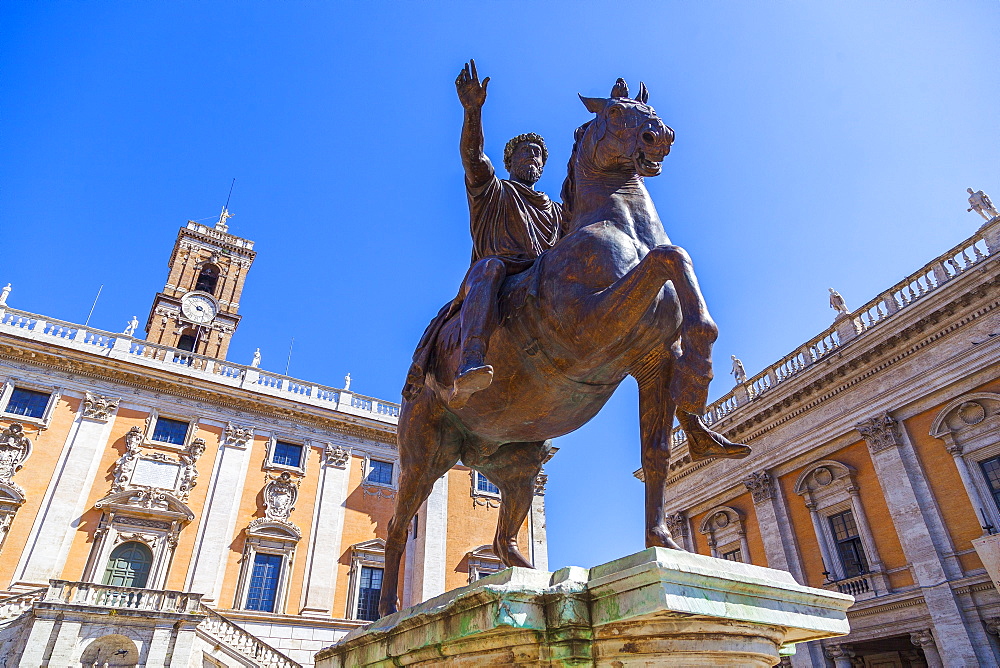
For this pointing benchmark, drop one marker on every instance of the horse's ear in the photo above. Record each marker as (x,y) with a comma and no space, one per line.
(593,104)
(620,88)
(643,95)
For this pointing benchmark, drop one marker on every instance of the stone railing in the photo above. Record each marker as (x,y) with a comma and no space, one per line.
(244,643)
(860,586)
(122,598)
(910,290)
(15,606)
(121,347)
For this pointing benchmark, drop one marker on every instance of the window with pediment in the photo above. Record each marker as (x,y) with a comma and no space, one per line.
(365,587)
(847,545)
(969,426)
(724,529)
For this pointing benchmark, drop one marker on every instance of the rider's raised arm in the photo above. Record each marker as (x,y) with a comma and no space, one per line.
(472,94)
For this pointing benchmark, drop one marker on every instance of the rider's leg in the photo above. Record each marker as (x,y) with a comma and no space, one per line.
(479,318)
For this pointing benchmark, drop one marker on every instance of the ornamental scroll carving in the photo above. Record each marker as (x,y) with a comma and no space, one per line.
(237,436)
(15,447)
(677,524)
(541,480)
(880,432)
(96,407)
(157,471)
(761,486)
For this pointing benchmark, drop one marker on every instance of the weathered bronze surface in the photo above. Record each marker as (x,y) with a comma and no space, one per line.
(559,306)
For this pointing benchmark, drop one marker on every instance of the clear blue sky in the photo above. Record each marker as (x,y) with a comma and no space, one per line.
(818,145)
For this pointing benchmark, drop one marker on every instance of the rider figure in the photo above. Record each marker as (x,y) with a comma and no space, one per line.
(511,222)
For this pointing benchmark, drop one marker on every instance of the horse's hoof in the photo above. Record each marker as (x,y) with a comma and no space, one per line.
(468,383)
(662,538)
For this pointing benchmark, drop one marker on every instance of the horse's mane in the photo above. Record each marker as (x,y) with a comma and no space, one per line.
(568,192)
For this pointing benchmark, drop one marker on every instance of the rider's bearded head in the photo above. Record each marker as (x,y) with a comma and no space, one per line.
(525,165)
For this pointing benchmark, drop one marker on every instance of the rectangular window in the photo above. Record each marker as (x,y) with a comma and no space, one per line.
(170,431)
(379,472)
(849,548)
(28,403)
(483,484)
(369,593)
(733,555)
(264,582)
(991,471)
(287,454)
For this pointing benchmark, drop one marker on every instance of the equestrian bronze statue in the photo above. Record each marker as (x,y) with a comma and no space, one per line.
(612,297)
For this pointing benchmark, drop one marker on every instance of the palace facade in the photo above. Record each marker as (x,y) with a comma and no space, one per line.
(875,465)
(161,506)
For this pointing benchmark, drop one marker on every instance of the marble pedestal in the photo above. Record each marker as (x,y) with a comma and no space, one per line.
(655,608)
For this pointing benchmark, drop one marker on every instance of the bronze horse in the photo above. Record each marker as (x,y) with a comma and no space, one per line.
(612,298)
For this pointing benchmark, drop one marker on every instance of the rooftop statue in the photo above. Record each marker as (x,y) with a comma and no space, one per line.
(738,371)
(981,203)
(838,304)
(560,305)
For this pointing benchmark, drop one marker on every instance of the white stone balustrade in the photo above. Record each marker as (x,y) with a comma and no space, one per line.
(15,606)
(247,645)
(129,598)
(934,274)
(116,346)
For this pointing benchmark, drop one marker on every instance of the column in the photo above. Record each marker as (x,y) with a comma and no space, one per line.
(328,527)
(925,641)
(42,628)
(773,523)
(158,645)
(536,524)
(900,483)
(215,532)
(65,500)
(841,656)
(429,550)
(824,549)
(955,450)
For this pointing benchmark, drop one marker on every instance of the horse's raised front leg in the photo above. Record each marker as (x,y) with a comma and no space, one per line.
(656,419)
(513,469)
(428,447)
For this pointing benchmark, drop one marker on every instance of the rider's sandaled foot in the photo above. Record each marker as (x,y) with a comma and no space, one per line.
(472,377)
(703,443)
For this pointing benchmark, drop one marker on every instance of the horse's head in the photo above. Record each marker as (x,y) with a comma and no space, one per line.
(627,134)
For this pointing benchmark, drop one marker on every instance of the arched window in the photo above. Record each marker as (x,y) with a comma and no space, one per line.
(207,279)
(129,565)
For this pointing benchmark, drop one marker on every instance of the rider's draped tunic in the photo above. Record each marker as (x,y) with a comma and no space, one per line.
(509,221)
(512,222)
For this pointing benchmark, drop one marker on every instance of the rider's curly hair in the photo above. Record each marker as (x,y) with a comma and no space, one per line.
(508,150)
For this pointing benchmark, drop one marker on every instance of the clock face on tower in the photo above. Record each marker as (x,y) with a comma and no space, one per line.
(198,308)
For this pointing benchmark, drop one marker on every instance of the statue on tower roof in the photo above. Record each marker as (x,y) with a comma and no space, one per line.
(981,203)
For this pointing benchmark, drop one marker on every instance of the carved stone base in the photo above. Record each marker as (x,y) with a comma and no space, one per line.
(657,607)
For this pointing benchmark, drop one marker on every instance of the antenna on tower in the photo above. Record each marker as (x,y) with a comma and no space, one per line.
(225,215)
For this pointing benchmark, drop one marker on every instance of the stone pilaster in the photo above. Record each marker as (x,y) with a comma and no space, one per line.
(841,656)
(218,524)
(327,529)
(539,543)
(904,488)
(775,527)
(65,499)
(429,556)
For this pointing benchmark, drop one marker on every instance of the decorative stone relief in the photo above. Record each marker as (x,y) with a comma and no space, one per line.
(96,407)
(337,455)
(880,432)
(156,471)
(677,525)
(838,652)
(280,494)
(237,436)
(923,639)
(15,447)
(761,486)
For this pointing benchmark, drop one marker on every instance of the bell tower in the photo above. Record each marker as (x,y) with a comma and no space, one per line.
(197,309)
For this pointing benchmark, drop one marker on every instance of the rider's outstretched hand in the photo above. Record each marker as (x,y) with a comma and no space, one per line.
(471,93)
